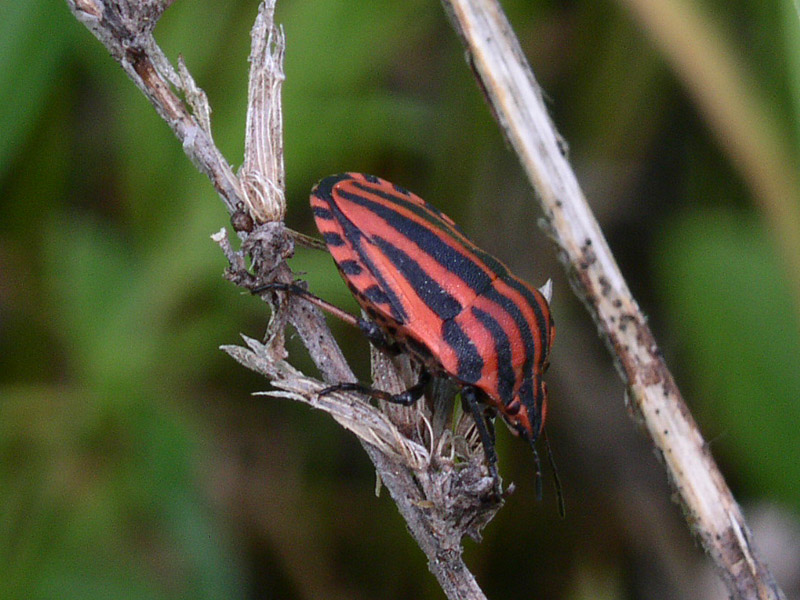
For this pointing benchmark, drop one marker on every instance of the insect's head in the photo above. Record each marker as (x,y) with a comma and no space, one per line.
(535,411)
(526,413)
(529,424)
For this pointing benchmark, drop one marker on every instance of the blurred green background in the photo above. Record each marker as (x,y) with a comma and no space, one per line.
(134,463)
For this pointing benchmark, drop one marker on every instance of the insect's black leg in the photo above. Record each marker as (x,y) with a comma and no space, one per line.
(373,333)
(485,432)
(407,398)
(412,394)
(371,330)
(376,337)
(490,430)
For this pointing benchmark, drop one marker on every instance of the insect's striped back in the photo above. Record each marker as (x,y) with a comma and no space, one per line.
(419,276)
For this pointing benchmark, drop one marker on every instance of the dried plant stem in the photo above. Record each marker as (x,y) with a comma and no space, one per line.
(511,89)
(125,29)
(439,502)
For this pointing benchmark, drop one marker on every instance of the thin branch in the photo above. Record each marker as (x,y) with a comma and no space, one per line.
(436,475)
(509,84)
(125,28)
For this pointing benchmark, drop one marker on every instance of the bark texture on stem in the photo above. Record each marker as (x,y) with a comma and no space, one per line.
(516,100)
(436,476)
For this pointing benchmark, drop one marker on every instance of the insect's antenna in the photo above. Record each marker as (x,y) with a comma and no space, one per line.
(538,475)
(562,511)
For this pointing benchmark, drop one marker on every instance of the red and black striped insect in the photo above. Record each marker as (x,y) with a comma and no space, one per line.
(456,309)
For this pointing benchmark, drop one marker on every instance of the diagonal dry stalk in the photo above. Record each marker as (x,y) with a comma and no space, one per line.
(434,470)
(711,511)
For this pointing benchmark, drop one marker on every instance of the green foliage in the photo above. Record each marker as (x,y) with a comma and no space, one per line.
(31,57)
(729,302)
(100,501)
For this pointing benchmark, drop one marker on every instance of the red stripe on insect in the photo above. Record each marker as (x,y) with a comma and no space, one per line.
(453,306)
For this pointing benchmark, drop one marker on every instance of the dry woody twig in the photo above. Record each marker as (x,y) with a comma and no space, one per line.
(510,87)
(435,474)
(433,468)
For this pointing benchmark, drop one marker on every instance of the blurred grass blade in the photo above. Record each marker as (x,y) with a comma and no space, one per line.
(746,129)
(734,312)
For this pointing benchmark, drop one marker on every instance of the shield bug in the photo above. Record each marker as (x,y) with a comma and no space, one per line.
(430,291)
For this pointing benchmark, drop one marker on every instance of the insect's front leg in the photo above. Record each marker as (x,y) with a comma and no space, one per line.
(406,398)
(469,396)
(370,329)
